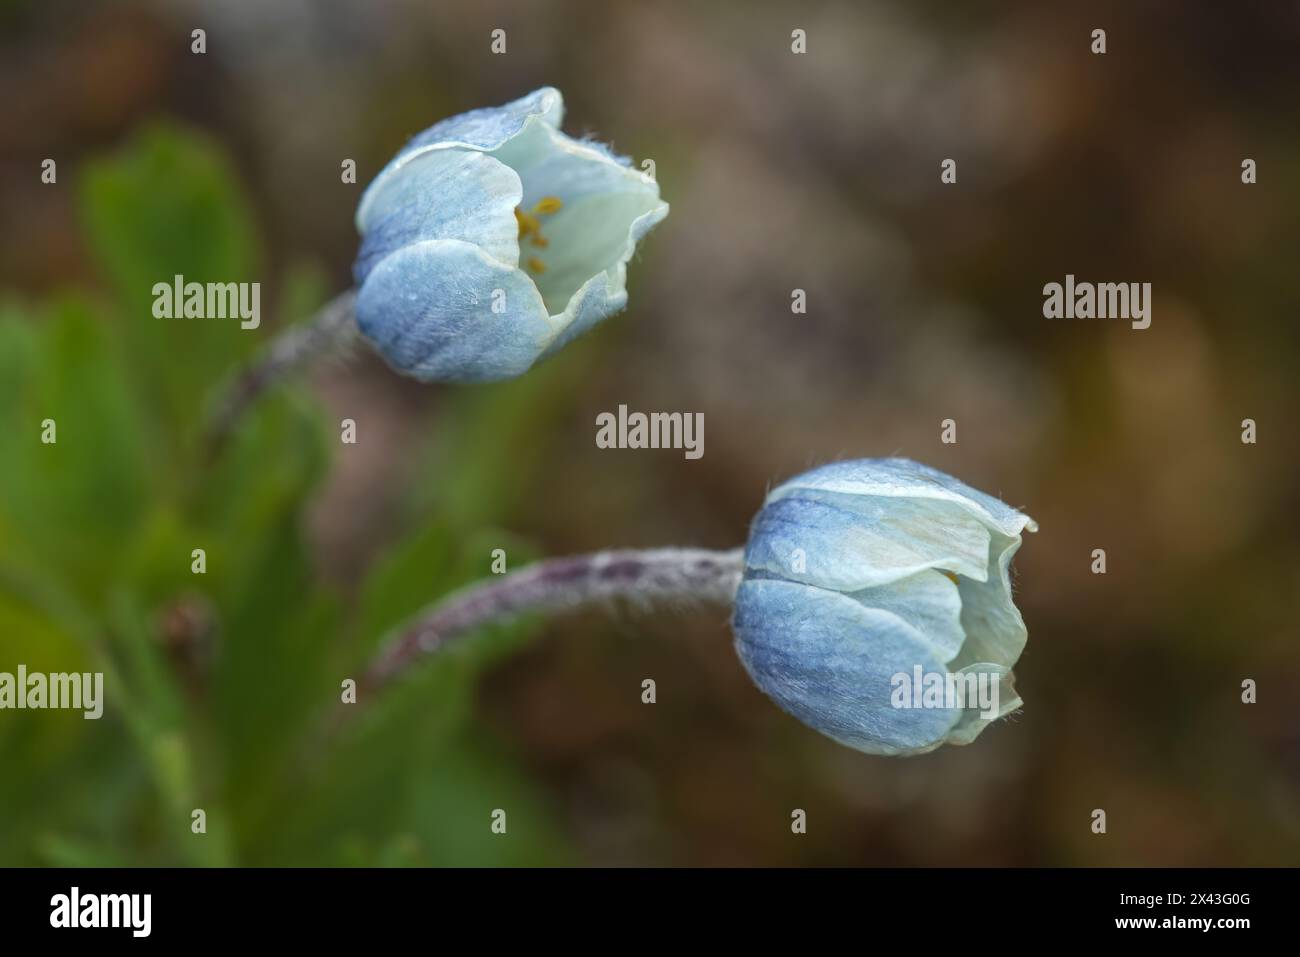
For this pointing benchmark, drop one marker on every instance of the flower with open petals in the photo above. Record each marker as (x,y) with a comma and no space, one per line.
(492,239)
(862,572)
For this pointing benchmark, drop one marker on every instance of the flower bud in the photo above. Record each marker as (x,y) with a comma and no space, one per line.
(492,239)
(876,605)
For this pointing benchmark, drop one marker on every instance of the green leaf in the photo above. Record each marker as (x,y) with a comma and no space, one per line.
(166,205)
(93,483)
(96,534)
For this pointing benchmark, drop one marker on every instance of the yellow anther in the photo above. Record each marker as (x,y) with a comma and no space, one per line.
(528,224)
(531,226)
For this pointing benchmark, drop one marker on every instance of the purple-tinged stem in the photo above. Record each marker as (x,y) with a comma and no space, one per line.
(331,331)
(649,578)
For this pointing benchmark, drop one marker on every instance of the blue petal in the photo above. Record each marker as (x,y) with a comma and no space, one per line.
(929,601)
(829,661)
(445,194)
(903,478)
(482,130)
(428,309)
(848,543)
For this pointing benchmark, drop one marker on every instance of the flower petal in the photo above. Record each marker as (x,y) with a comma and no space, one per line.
(445,194)
(552,163)
(829,661)
(848,543)
(481,130)
(428,308)
(606,292)
(607,208)
(903,478)
(995,632)
(928,601)
(973,720)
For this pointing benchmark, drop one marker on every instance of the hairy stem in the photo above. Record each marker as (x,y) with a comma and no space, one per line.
(332,330)
(651,579)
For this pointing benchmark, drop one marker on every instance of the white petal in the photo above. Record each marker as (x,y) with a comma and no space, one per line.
(995,631)
(607,208)
(973,719)
(605,293)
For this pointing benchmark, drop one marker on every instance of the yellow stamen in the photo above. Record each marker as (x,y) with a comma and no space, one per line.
(528,224)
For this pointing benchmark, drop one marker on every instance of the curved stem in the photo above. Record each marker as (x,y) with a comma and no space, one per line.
(651,578)
(330,331)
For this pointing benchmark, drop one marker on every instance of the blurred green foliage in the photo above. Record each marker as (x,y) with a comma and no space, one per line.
(220,687)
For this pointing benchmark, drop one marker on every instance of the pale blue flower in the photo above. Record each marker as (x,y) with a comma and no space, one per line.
(860,571)
(493,239)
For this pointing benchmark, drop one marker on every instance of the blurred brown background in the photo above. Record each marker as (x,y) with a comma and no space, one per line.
(821,172)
